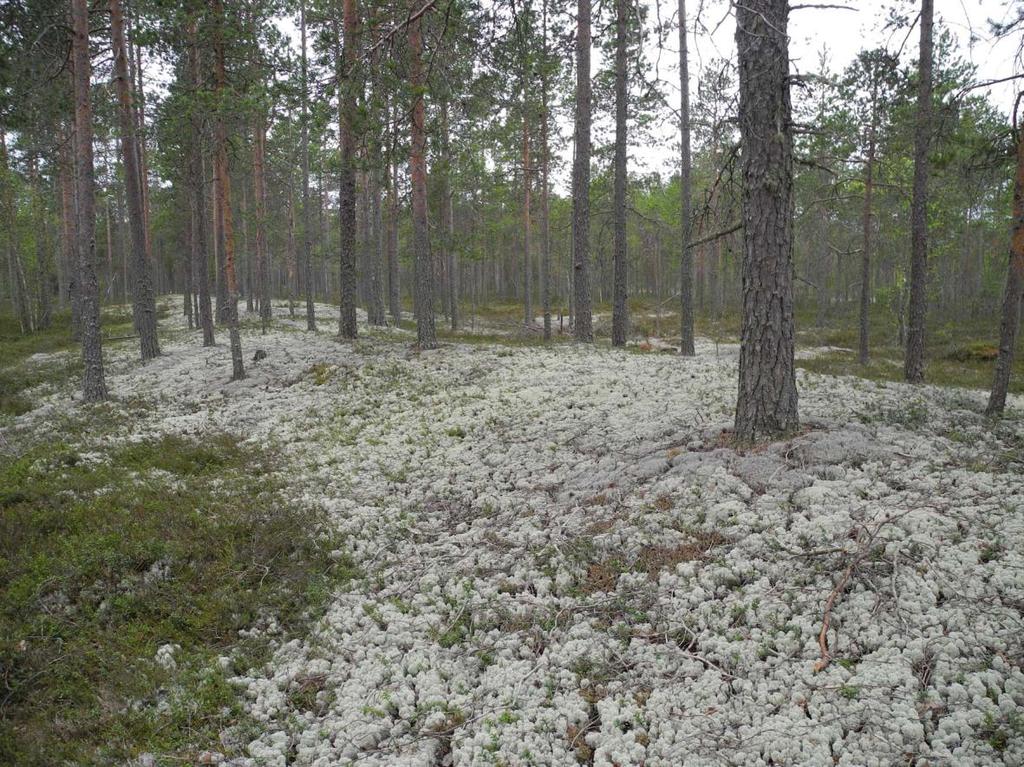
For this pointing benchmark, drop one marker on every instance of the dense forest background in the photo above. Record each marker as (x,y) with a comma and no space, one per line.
(500,89)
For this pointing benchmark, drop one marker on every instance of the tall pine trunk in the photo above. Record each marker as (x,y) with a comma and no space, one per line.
(545,160)
(143,300)
(767,401)
(260,201)
(620,318)
(423,289)
(1012,297)
(347,193)
(307,222)
(224,193)
(686,343)
(584,329)
(394,288)
(913,364)
(94,387)
(197,196)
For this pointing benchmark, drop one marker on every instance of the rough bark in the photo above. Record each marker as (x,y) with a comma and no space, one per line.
(1013,296)
(686,343)
(224,193)
(583,327)
(307,222)
(375,305)
(545,161)
(423,289)
(260,202)
(197,197)
(394,288)
(527,223)
(620,317)
(94,388)
(913,364)
(347,191)
(767,402)
(143,299)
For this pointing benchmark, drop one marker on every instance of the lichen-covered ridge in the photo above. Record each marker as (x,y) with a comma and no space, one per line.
(565,560)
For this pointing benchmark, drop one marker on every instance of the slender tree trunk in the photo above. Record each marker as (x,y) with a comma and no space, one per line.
(224,193)
(307,222)
(260,202)
(250,278)
(18,283)
(44,273)
(94,388)
(394,289)
(913,367)
(143,151)
(447,255)
(197,196)
(70,255)
(545,191)
(865,259)
(686,343)
(290,256)
(375,252)
(620,317)
(347,194)
(527,228)
(423,289)
(1009,326)
(188,259)
(584,329)
(767,401)
(143,299)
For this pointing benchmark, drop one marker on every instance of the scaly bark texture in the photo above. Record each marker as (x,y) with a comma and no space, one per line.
(913,363)
(423,290)
(583,327)
(143,298)
(1009,326)
(686,346)
(307,221)
(620,317)
(197,197)
(94,387)
(348,114)
(394,288)
(259,190)
(767,401)
(545,161)
(224,194)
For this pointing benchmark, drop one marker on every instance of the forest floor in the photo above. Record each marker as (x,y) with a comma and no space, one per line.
(500,553)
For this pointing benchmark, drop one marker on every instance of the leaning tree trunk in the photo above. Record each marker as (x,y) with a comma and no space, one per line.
(347,192)
(584,328)
(1011,319)
(224,194)
(423,290)
(686,343)
(913,363)
(619,310)
(767,401)
(94,387)
(143,300)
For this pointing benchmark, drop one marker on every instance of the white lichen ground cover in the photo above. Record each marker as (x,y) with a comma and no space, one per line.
(565,563)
